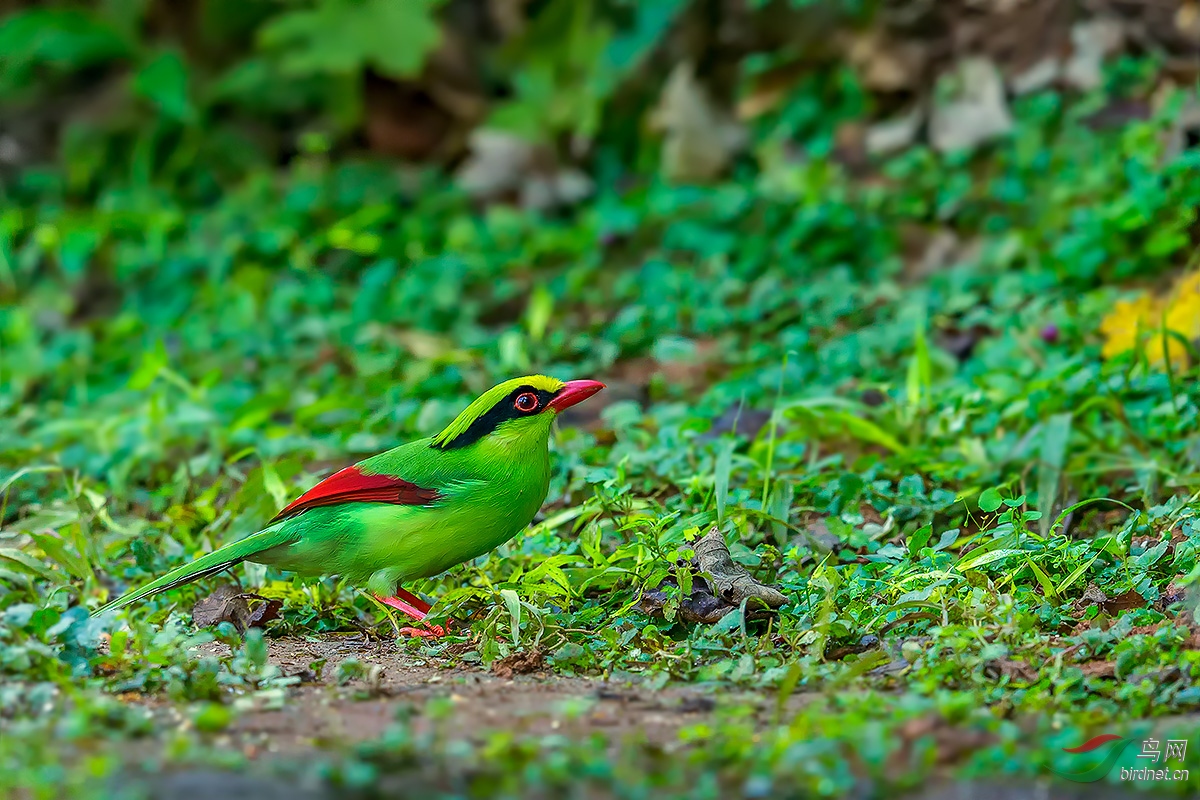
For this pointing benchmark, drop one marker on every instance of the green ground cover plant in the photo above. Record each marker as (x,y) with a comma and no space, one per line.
(983,519)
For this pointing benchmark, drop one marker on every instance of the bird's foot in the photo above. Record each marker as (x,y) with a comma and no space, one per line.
(416,608)
(428,632)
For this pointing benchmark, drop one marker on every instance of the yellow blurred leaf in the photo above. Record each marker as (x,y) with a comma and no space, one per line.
(1156,324)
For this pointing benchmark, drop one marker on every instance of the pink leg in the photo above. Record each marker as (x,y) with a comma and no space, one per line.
(408,603)
(413,600)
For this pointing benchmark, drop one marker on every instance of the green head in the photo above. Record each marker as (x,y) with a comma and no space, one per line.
(517,412)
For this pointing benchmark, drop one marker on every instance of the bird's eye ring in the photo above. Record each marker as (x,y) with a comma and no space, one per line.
(526,402)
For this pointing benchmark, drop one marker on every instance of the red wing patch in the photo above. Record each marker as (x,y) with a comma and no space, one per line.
(351,485)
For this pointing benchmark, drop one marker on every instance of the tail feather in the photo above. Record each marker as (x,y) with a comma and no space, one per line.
(209,564)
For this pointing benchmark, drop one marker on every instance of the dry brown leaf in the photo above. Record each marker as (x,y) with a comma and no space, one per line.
(1092,42)
(1098,669)
(747,422)
(1187,19)
(996,6)
(1185,596)
(566,186)
(1040,75)
(1119,113)
(838,653)
(1185,127)
(495,165)
(1124,602)
(850,148)
(818,536)
(731,580)
(402,120)
(509,16)
(1175,592)
(885,64)
(771,88)
(1092,595)
(1111,606)
(895,134)
(503,164)
(1012,669)
(690,369)
(522,662)
(719,586)
(701,606)
(960,342)
(701,139)
(951,741)
(971,108)
(228,604)
(939,252)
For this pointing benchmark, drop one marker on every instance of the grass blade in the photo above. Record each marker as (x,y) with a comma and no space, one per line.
(721,478)
(1055,436)
(1077,574)
(513,603)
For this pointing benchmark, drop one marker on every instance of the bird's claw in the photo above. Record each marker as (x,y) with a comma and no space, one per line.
(428,632)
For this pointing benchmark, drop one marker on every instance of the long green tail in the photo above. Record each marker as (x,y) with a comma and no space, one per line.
(217,560)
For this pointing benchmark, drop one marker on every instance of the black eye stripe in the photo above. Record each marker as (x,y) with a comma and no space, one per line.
(502,411)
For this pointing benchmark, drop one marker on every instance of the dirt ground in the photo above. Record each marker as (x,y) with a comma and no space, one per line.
(319,714)
(318,711)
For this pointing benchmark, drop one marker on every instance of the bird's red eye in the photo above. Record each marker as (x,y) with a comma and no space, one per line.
(526,402)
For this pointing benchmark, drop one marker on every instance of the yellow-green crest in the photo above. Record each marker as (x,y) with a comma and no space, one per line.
(513,399)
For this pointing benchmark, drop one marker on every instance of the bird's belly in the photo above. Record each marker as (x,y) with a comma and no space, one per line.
(413,546)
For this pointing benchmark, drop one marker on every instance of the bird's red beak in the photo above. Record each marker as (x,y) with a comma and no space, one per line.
(574,392)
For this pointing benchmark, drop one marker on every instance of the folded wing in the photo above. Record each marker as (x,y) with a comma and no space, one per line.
(352,485)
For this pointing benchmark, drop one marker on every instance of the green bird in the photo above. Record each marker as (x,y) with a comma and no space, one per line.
(416,510)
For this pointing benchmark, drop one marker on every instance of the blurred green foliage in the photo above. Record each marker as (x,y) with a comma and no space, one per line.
(227,68)
(933,462)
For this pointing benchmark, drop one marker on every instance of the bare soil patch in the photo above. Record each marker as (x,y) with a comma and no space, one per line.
(321,713)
